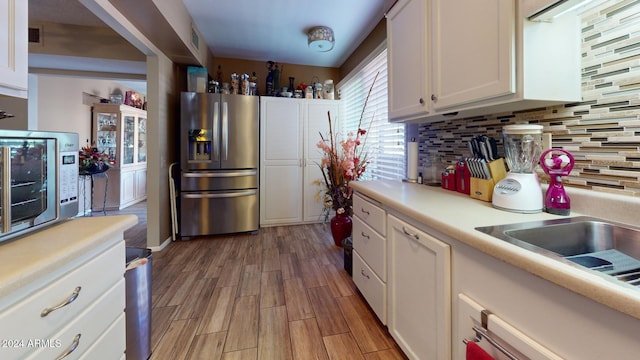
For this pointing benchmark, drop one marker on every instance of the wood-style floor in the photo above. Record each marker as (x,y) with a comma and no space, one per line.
(280,294)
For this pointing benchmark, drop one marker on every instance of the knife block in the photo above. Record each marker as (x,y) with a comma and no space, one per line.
(482,189)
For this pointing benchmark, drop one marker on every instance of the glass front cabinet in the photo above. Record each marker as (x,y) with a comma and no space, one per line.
(120,131)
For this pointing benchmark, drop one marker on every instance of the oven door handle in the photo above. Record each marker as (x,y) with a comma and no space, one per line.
(5,154)
(224,195)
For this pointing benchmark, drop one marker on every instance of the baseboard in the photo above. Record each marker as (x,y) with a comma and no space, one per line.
(162,246)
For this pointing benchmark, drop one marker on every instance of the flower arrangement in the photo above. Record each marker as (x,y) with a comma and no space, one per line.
(93,161)
(344,160)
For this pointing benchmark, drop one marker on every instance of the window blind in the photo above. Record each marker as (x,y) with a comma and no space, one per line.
(384,141)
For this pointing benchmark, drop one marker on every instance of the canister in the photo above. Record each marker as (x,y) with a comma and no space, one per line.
(328,89)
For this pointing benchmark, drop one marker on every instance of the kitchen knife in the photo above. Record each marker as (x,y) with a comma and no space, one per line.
(484,150)
(485,169)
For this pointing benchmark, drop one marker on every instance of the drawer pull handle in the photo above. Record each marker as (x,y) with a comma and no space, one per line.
(363,274)
(71,348)
(67,301)
(365,235)
(415,236)
(364,211)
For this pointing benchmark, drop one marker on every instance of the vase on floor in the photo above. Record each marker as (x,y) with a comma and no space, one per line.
(341,226)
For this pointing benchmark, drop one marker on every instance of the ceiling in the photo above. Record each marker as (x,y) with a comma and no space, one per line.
(247,29)
(276,29)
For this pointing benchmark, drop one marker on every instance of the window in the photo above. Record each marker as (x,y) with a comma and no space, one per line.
(385,141)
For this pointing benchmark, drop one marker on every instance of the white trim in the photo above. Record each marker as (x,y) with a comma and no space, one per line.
(380,48)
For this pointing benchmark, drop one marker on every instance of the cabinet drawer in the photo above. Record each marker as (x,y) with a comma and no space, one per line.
(371,287)
(94,278)
(91,324)
(371,246)
(372,215)
(112,344)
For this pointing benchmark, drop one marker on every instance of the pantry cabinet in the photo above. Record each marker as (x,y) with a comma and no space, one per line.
(289,158)
(419,291)
(408,60)
(120,131)
(467,59)
(13,48)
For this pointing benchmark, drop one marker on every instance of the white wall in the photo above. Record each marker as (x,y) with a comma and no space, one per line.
(60,102)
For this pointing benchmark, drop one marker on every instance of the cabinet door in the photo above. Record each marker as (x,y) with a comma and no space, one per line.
(473,54)
(419,297)
(407,60)
(127,187)
(316,122)
(142,139)
(128,139)
(13,48)
(141,184)
(106,136)
(281,159)
(280,194)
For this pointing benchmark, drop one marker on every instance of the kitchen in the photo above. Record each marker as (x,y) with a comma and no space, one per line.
(444,142)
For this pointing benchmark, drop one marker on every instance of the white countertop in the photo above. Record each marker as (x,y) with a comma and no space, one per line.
(457,215)
(27,258)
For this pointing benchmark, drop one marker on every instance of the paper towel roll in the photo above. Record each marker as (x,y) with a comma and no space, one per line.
(412,161)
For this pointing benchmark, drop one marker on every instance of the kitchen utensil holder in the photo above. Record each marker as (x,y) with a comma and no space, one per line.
(482,189)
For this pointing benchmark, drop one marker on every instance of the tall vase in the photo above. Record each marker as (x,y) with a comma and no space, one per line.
(341,227)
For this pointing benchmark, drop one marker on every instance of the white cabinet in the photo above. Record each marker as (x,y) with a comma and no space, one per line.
(289,132)
(13,48)
(77,305)
(121,132)
(408,60)
(419,291)
(370,253)
(470,316)
(479,58)
(473,51)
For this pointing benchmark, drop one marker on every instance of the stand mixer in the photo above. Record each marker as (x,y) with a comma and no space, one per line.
(557,163)
(520,190)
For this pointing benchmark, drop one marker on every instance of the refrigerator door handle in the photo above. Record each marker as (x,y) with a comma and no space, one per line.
(220,174)
(225,130)
(216,140)
(220,195)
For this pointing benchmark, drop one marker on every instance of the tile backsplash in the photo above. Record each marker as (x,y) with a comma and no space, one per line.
(602,131)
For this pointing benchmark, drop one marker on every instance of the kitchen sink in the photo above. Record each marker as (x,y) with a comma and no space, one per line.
(585,242)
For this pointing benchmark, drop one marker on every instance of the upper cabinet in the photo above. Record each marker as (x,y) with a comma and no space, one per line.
(120,131)
(481,57)
(473,51)
(13,48)
(407,60)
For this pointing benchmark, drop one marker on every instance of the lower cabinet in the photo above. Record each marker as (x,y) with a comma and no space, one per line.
(370,253)
(122,187)
(419,291)
(79,311)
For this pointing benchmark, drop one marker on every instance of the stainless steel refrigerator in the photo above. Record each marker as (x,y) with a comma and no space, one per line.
(219,143)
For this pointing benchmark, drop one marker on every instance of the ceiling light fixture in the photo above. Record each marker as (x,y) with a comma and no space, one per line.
(320,38)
